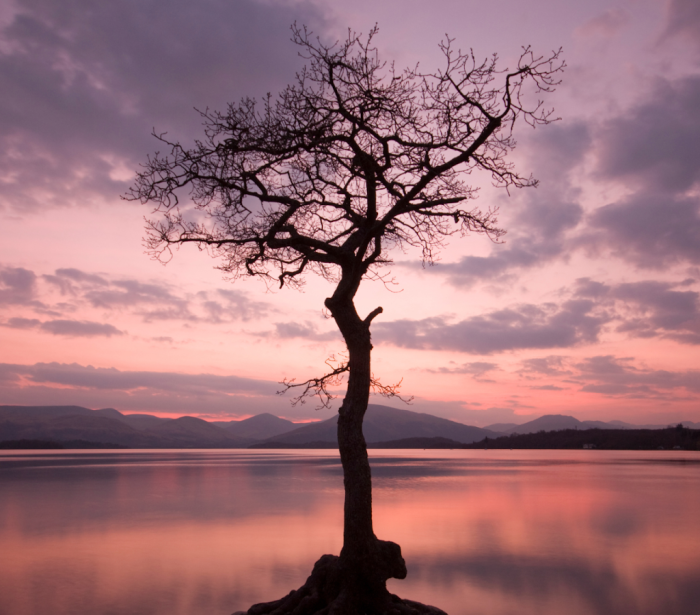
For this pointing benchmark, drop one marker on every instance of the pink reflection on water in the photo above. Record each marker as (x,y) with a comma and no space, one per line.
(483,532)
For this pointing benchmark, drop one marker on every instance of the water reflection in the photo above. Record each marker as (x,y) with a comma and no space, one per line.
(483,532)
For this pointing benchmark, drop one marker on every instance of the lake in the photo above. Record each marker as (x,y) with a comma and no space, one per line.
(483,532)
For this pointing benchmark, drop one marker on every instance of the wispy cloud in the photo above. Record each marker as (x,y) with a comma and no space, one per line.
(519,327)
(151,301)
(67,328)
(649,308)
(166,392)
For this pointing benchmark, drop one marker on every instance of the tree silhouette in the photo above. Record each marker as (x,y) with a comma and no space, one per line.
(350,161)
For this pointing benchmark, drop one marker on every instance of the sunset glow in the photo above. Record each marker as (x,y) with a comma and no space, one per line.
(590,307)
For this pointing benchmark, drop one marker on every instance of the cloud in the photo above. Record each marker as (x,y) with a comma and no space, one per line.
(613,376)
(144,391)
(651,230)
(610,376)
(541,219)
(196,394)
(17,286)
(84,83)
(606,25)
(654,149)
(22,323)
(111,379)
(289,330)
(650,308)
(683,19)
(152,301)
(516,328)
(657,142)
(229,304)
(68,328)
(647,308)
(545,366)
(477,369)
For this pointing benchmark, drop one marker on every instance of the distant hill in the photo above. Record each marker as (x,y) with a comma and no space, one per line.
(74,423)
(383,424)
(42,412)
(78,427)
(604,439)
(259,427)
(556,422)
(143,421)
(191,432)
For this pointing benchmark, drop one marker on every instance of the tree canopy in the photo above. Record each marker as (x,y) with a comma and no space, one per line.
(348,162)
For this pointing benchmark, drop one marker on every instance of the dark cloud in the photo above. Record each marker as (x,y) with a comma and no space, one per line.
(477,369)
(80,328)
(613,376)
(657,142)
(651,230)
(81,276)
(84,83)
(654,149)
(545,366)
(68,328)
(640,309)
(306,330)
(143,391)
(650,308)
(17,286)
(111,379)
(683,19)
(520,327)
(23,323)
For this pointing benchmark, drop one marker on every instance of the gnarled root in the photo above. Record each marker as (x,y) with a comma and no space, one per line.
(332,589)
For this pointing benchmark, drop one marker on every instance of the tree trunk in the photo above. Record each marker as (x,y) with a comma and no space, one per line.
(355,582)
(366,562)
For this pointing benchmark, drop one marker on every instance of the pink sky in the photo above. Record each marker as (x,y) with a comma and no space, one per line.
(589,308)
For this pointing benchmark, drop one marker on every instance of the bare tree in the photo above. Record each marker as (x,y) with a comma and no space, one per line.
(350,161)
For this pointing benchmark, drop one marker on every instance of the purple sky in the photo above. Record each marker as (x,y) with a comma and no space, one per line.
(590,307)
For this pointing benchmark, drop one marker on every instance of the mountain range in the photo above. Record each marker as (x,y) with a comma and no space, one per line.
(557,422)
(382,424)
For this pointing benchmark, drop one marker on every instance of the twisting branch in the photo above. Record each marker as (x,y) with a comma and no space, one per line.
(389,390)
(318,387)
(321,387)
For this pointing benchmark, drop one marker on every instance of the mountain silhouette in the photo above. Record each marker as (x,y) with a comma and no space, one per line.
(383,424)
(558,422)
(259,427)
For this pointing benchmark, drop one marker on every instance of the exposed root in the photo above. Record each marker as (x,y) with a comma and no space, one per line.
(328,591)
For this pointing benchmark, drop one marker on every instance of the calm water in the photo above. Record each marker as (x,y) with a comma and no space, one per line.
(483,532)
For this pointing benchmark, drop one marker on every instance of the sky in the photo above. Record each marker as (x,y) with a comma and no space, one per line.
(589,307)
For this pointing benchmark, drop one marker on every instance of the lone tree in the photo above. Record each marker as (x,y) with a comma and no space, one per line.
(351,160)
